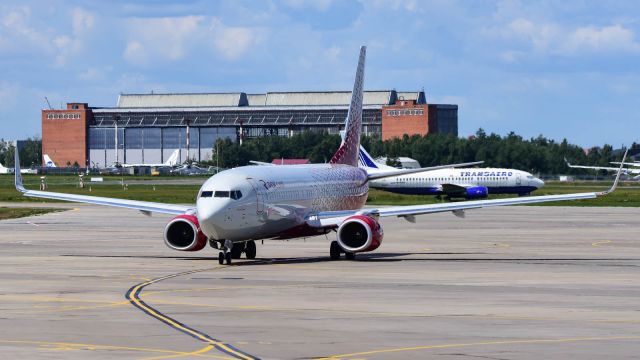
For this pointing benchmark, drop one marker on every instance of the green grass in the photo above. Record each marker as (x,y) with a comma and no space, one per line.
(12,213)
(628,193)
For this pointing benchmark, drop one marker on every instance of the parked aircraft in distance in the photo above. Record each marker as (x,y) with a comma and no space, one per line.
(626,171)
(171,162)
(48,162)
(470,183)
(238,206)
(5,170)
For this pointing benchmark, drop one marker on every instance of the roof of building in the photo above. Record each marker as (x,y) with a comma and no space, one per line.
(290,161)
(181,100)
(274,99)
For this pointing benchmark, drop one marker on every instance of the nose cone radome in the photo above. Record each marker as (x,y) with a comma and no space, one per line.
(211,213)
(538,183)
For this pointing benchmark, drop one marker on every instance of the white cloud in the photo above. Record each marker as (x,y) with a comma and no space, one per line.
(613,37)
(165,38)
(319,5)
(82,21)
(24,32)
(232,42)
(551,38)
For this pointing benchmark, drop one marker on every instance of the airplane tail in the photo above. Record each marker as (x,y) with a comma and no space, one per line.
(48,162)
(348,151)
(366,161)
(173,159)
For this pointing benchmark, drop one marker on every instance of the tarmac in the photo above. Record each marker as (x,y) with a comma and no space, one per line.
(504,283)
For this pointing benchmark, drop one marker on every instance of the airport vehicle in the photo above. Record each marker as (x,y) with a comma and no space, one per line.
(48,162)
(238,206)
(470,183)
(627,171)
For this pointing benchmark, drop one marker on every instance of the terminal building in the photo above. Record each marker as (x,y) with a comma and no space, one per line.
(148,128)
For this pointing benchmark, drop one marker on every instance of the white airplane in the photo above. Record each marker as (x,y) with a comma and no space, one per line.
(238,206)
(626,171)
(469,183)
(5,170)
(48,162)
(171,161)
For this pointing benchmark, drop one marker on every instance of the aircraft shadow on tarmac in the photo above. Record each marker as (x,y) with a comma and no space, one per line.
(377,257)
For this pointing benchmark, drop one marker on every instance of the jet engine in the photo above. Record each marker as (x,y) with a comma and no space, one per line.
(360,233)
(477,192)
(183,233)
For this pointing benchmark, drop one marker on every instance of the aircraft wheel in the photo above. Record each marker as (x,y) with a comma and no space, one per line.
(335,250)
(227,257)
(250,249)
(221,258)
(350,255)
(236,250)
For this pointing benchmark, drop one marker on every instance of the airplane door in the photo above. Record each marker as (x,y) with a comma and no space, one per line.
(259,195)
(518,180)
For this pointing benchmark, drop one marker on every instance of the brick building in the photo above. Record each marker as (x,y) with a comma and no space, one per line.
(147,128)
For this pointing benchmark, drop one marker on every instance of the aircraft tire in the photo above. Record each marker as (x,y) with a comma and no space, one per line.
(250,249)
(335,250)
(221,258)
(236,250)
(350,255)
(227,257)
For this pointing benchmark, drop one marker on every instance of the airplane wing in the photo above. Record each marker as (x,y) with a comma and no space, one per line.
(375,174)
(255,162)
(624,170)
(144,206)
(335,218)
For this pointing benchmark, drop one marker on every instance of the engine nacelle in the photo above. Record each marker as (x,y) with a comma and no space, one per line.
(477,192)
(183,233)
(360,233)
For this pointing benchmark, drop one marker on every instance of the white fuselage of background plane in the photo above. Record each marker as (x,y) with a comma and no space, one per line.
(275,201)
(496,180)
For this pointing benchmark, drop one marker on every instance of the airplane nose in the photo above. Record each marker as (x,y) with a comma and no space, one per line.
(539,183)
(210,214)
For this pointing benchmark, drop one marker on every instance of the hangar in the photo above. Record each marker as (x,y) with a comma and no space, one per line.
(147,128)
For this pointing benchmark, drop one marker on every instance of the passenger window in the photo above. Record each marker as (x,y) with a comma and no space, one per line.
(222,194)
(206,194)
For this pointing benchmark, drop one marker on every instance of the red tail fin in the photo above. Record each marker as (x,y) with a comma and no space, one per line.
(348,151)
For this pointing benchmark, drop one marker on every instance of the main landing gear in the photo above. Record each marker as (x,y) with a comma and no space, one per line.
(335,250)
(234,251)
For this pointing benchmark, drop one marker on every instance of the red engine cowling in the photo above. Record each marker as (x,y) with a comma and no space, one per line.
(183,233)
(360,233)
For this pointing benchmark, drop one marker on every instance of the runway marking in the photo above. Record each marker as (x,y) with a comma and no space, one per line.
(600,243)
(95,347)
(194,353)
(506,342)
(134,293)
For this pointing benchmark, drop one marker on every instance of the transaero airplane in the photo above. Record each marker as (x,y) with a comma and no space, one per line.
(238,206)
(468,183)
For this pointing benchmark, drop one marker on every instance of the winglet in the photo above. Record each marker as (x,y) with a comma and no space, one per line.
(615,183)
(19,185)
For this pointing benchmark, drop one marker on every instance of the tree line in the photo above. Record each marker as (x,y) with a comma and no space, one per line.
(30,153)
(537,155)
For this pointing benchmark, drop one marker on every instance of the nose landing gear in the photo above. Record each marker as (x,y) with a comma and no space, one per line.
(234,251)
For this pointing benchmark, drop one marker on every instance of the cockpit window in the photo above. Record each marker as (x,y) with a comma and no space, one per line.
(529,177)
(206,194)
(223,194)
(236,194)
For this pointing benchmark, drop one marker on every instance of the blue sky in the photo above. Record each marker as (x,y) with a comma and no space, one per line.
(562,69)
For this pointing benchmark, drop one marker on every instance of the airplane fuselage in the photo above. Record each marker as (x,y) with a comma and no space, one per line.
(257,202)
(496,180)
